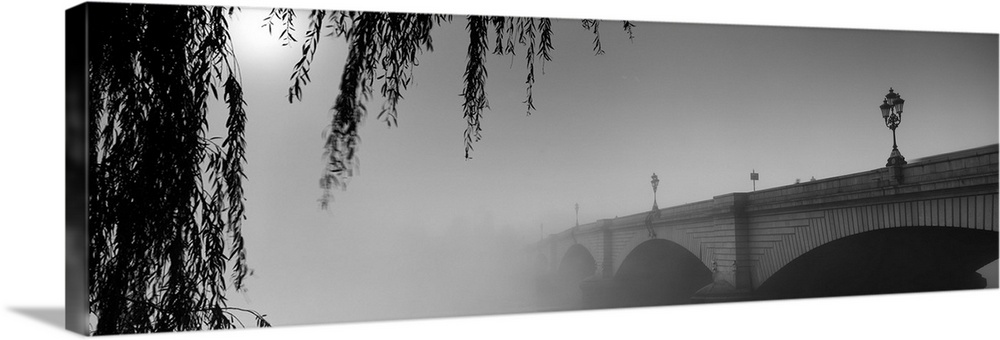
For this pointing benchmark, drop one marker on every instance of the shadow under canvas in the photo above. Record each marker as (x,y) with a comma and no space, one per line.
(53,316)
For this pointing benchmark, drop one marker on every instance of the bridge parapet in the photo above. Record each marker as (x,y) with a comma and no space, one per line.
(956,170)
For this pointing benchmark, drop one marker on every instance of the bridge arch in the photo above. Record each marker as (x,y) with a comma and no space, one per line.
(782,238)
(659,272)
(631,239)
(907,259)
(576,265)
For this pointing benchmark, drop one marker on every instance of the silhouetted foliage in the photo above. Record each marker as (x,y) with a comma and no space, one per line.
(166,201)
(384,46)
(161,233)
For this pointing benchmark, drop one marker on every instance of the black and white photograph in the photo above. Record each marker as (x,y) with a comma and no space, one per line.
(343,169)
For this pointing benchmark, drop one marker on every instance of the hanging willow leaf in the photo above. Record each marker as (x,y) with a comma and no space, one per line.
(383,47)
(158,228)
(167,202)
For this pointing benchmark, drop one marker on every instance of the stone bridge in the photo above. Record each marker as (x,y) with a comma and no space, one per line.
(889,227)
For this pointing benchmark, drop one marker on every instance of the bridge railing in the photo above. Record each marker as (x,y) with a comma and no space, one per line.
(946,171)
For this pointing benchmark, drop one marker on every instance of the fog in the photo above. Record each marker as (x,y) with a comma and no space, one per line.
(419,231)
(465,269)
(341,273)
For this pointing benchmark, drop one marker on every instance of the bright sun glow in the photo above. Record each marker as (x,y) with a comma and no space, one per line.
(254,46)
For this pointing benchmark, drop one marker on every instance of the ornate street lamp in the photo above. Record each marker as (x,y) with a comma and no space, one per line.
(892,113)
(578,214)
(655,213)
(655,182)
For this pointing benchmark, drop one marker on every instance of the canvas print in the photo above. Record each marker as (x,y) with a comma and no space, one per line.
(510,165)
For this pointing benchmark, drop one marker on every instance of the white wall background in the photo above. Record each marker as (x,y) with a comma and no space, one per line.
(31,250)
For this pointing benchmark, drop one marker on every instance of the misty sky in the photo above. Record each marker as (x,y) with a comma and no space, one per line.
(700,105)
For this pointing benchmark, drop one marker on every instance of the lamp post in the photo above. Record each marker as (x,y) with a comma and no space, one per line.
(655,182)
(892,113)
(655,212)
(578,214)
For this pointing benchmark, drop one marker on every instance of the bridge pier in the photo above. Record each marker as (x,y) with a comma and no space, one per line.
(730,218)
(721,290)
(731,262)
(608,262)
